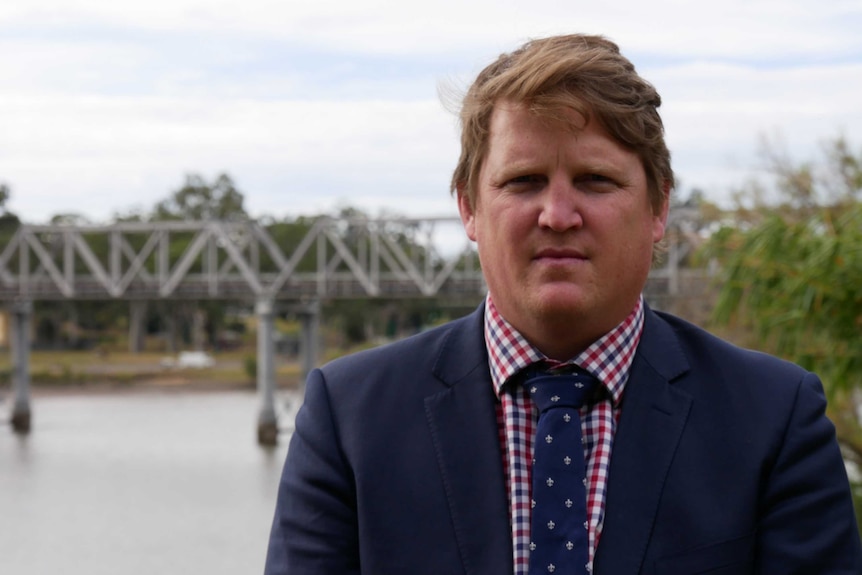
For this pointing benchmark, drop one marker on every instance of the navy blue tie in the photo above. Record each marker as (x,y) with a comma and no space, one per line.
(559,535)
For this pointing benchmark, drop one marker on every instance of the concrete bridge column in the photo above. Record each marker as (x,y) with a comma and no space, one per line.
(199,320)
(267,421)
(137,316)
(170,329)
(21,312)
(310,319)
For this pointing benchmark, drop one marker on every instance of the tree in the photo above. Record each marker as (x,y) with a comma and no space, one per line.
(70,219)
(200,200)
(5,194)
(792,273)
(9,222)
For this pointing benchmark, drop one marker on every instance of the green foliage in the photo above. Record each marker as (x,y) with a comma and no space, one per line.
(249,364)
(201,200)
(5,194)
(792,269)
(9,224)
(70,219)
(797,284)
(288,235)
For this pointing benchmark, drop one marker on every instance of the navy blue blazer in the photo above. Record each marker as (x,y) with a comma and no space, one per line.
(723,463)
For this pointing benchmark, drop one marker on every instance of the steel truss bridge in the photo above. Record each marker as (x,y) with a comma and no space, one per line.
(332,258)
(302,262)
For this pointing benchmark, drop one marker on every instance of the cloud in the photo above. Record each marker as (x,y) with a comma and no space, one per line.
(734,27)
(105,105)
(332,148)
(716,114)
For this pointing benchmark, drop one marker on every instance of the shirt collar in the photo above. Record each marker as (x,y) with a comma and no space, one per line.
(608,359)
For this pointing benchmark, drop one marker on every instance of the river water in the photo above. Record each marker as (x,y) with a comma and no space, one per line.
(138,483)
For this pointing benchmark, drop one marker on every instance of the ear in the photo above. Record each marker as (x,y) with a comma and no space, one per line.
(467,211)
(660,219)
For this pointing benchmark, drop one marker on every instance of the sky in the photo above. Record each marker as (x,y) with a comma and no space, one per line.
(314,105)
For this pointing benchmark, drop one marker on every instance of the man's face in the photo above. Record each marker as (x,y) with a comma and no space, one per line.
(564,228)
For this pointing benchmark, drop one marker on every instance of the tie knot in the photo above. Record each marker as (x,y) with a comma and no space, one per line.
(549,390)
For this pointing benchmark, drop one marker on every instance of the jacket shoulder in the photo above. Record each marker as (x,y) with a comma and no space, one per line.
(707,352)
(456,343)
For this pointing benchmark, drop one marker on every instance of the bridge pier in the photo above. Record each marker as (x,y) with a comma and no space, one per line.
(21,312)
(267,421)
(199,337)
(137,317)
(309,317)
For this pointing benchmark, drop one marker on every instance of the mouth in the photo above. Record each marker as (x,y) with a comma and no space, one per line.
(559,255)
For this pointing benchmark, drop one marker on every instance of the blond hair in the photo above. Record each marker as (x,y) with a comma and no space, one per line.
(583,73)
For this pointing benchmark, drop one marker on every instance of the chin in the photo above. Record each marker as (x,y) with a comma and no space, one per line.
(556,308)
(560,296)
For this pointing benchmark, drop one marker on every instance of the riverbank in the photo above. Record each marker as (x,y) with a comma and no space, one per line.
(76,371)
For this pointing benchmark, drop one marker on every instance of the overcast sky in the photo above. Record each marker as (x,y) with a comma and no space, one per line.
(105,105)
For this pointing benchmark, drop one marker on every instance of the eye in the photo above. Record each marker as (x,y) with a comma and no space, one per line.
(596,182)
(526,180)
(597,178)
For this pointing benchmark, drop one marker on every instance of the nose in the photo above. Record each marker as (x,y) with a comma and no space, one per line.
(560,209)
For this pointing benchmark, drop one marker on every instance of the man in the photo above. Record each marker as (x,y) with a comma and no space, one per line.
(699,457)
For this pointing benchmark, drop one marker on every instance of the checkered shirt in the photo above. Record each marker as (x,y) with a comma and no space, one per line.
(609,360)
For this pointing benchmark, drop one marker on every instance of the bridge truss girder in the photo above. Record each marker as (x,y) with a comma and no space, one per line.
(334,258)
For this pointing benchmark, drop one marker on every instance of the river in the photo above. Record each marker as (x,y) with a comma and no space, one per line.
(138,483)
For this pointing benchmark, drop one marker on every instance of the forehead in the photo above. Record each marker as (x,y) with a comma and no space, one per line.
(518,132)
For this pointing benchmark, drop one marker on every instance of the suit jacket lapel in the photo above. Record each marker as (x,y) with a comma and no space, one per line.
(463,424)
(653,417)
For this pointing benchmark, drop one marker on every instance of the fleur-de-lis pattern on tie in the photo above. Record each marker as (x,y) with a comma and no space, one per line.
(558,529)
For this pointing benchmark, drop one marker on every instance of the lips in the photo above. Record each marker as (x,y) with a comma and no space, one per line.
(559,254)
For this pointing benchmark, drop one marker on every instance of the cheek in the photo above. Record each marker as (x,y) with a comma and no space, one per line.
(513,219)
(630,238)
(498,243)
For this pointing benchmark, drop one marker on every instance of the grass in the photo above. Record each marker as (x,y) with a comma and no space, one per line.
(122,368)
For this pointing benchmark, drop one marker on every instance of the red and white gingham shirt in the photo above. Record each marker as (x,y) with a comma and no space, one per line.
(609,360)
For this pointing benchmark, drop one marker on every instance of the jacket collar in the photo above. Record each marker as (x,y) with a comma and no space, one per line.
(462,354)
(654,416)
(462,420)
